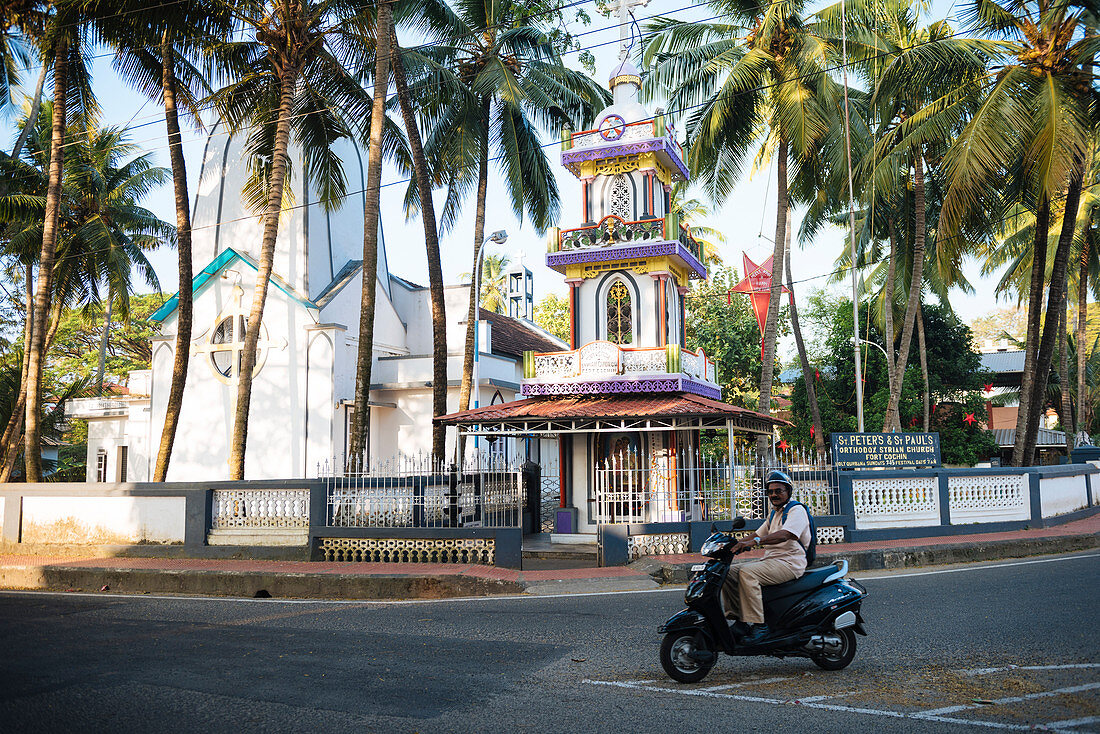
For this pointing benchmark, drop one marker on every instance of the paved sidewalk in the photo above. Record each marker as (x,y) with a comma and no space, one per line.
(304,579)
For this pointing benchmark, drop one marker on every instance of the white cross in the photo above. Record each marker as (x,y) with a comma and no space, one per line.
(622,9)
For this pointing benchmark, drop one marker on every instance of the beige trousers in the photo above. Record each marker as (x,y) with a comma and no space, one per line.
(741,593)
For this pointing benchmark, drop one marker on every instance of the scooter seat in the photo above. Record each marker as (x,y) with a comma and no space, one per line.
(812,579)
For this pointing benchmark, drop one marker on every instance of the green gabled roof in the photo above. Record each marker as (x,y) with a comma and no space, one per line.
(218,264)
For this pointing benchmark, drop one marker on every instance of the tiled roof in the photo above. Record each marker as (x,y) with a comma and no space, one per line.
(683,405)
(514,337)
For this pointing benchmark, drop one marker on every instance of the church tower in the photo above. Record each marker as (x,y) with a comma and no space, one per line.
(628,260)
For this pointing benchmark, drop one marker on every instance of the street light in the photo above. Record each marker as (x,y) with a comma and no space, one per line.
(874,344)
(499,237)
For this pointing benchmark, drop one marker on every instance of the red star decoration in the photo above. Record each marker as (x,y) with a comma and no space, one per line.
(817,375)
(811,431)
(969,419)
(988,387)
(783,445)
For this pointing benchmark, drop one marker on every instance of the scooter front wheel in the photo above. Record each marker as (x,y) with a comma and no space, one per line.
(679,652)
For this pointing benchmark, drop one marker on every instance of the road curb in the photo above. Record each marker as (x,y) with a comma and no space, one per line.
(912,557)
(253,583)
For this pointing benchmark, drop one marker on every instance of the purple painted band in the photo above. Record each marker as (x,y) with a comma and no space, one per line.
(597,387)
(603,254)
(572,158)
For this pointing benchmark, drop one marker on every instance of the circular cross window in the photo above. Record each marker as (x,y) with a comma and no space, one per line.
(225,347)
(612,127)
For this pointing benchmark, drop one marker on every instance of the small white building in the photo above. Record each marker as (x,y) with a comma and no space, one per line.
(304,383)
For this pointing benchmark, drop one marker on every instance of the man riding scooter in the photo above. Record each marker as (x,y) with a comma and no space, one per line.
(784,535)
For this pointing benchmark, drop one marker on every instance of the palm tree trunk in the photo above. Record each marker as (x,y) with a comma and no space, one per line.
(767,354)
(1082,322)
(892,420)
(239,439)
(431,245)
(479,237)
(922,348)
(103,346)
(888,309)
(13,431)
(360,424)
(33,433)
(807,373)
(1020,457)
(184,307)
(13,444)
(1063,376)
(1054,307)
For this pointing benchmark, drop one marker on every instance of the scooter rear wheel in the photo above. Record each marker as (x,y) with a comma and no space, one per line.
(838,659)
(676,650)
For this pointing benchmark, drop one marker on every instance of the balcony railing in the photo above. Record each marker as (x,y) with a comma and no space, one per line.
(641,130)
(603,358)
(80,407)
(614,230)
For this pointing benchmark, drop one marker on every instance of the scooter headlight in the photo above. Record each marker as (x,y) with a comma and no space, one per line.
(711,547)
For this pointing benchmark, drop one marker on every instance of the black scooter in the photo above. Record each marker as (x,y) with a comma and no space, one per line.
(815,616)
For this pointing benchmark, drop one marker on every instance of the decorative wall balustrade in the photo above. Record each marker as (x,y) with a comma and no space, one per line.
(259,508)
(409,550)
(995,497)
(606,358)
(896,502)
(634,131)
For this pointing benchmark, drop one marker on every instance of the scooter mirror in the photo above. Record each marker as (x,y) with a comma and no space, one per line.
(738,522)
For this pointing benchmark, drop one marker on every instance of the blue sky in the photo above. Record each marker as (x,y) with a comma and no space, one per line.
(747,218)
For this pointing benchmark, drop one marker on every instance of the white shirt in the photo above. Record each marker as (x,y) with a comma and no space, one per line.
(789,551)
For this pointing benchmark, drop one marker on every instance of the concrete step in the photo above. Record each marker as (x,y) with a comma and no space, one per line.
(540,547)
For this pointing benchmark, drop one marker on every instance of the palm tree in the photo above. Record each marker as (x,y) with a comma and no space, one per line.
(692,211)
(494,273)
(384,35)
(754,79)
(290,76)
(921,95)
(422,184)
(515,84)
(63,42)
(103,231)
(1031,129)
(158,53)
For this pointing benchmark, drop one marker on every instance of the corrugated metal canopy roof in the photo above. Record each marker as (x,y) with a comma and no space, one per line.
(1046,438)
(1004,361)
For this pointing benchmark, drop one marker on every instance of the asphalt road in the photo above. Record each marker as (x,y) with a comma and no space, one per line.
(1000,645)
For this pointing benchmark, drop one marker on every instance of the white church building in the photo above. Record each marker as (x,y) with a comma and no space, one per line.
(304,384)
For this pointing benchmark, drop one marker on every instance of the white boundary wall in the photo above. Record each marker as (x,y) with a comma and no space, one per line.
(103,520)
(1060,495)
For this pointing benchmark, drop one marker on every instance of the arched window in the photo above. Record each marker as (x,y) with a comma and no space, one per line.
(620,199)
(619,317)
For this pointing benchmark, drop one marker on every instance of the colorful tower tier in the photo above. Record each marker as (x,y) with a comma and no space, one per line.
(628,263)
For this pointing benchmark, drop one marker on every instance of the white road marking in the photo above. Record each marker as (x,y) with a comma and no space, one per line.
(700,692)
(987,671)
(761,682)
(1070,723)
(1011,699)
(811,699)
(979,567)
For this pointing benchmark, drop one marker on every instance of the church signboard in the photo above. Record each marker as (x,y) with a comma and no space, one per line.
(885,450)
